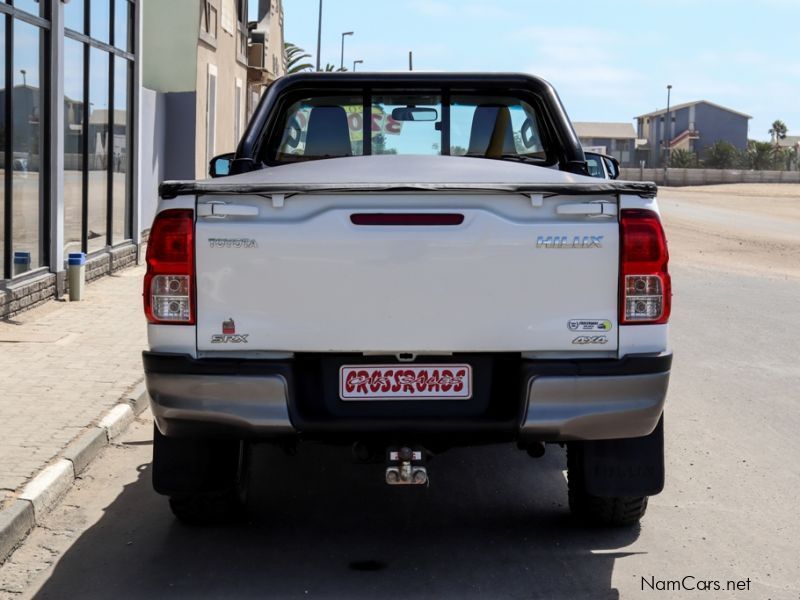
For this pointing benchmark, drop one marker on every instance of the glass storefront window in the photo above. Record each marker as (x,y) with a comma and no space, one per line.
(121,24)
(74,16)
(98,155)
(27,147)
(100,20)
(73,144)
(121,154)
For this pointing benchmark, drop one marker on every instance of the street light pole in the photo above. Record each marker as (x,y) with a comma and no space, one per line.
(24,77)
(356,62)
(667,129)
(341,63)
(319,32)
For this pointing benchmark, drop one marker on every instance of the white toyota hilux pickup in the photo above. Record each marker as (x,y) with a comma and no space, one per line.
(408,263)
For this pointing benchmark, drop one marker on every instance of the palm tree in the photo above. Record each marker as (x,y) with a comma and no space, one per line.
(721,155)
(778,130)
(293,55)
(759,155)
(682,159)
(329,68)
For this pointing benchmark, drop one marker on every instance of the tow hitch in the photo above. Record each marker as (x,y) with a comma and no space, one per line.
(405,467)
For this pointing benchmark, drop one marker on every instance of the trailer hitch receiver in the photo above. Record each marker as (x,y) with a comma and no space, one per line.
(405,467)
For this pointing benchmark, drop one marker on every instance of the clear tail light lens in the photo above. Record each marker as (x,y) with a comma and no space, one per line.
(171,297)
(644,297)
(645,285)
(169,282)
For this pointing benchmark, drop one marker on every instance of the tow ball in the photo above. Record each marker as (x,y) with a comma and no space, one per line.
(405,467)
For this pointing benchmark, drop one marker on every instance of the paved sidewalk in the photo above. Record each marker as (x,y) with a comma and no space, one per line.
(62,366)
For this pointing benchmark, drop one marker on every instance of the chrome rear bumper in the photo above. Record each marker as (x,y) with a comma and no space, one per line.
(257,404)
(561,401)
(594,408)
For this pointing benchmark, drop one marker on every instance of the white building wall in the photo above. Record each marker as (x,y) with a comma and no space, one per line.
(152,113)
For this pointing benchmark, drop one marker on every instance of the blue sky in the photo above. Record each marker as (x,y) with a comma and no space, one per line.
(609,61)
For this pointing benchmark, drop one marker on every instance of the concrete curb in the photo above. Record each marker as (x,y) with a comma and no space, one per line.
(117,420)
(44,490)
(16,521)
(42,493)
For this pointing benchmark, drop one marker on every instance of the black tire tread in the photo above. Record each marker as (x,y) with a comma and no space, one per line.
(620,511)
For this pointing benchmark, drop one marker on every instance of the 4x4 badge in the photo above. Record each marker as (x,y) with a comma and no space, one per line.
(590,339)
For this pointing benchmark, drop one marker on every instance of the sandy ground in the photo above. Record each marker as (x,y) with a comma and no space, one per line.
(744,228)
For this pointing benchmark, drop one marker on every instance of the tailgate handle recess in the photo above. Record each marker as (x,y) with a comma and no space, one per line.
(221,209)
(606,209)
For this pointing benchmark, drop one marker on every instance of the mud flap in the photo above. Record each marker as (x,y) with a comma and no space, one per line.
(191,466)
(625,468)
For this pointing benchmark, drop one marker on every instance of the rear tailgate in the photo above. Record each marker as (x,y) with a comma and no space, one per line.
(488,272)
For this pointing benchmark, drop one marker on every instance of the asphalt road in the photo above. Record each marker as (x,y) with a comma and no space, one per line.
(494,523)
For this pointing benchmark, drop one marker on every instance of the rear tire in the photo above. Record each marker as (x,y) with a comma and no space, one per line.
(618,511)
(205,479)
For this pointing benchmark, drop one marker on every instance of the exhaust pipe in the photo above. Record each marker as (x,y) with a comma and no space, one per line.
(534,449)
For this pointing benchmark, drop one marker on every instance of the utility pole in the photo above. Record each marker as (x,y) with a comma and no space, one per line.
(341,63)
(319,33)
(410,60)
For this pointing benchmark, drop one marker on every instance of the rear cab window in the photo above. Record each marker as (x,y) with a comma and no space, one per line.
(406,123)
(494,127)
(323,126)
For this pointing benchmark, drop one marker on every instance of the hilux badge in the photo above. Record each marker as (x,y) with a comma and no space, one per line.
(565,242)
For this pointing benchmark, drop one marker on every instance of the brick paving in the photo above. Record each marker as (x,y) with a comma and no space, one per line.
(62,366)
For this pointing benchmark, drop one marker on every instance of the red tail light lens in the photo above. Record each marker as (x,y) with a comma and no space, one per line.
(169,282)
(645,285)
(410,219)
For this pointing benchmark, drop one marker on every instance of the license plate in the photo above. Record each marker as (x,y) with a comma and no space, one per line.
(405,382)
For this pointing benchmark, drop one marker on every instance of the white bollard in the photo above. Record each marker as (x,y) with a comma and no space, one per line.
(76,269)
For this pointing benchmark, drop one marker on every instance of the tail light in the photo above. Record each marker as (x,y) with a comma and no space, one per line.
(645,286)
(169,282)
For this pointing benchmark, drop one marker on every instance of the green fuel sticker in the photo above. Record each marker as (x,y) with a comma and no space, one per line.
(589,325)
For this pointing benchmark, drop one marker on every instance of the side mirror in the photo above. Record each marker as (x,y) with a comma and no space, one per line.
(612,166)
(220,166)
(594,165)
